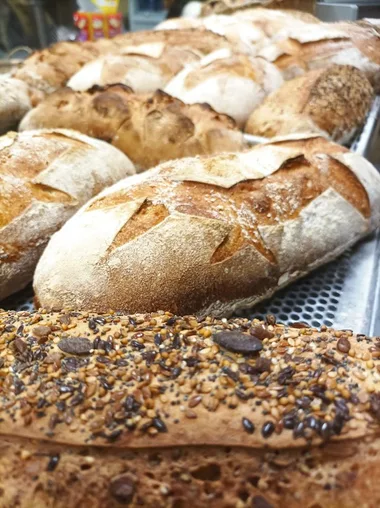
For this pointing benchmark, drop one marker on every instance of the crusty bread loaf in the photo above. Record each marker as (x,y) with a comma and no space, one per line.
(105,411)
(231,83)
(237,30)
(212,235)
(333,102)
(271,22)
(146,68)
(149,130)
(231,6)
(14,102)
(45,176)
(307,47)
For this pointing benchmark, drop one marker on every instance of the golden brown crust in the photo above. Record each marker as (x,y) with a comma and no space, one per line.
(103,400)
(215,233)
(45,177)
(332,101)
(307,47)
(149,129)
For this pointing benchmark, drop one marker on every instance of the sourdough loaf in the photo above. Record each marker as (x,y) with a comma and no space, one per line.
(105,411)
(14,102)
(45,176)
(148,130)
(232,84)
(210,235)
(237,30)
(231,6)
(144,69)
(314,46)
(333,102)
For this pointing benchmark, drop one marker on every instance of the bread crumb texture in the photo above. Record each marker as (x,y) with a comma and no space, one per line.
(156,409)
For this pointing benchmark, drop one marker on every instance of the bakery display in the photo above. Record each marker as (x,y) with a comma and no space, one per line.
(232,84)
(148,129)
(211,235)
(315,46)
(319,101)
(45,176)
(163,410)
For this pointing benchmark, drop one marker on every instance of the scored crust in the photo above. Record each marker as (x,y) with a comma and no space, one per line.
(210,235)
(148,129)
(221,77)
(333,102)
(99,401)
(45,177)
(316,46)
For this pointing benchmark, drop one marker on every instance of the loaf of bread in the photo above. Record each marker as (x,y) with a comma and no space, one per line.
(149,130)
(233,84)
(45,176)
(314,46)
(231,6)
(14,103)
(105,411)
(237,30)
(210,235)
(333,102)
(145,69)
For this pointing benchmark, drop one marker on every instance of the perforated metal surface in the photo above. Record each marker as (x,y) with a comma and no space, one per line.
(313,299)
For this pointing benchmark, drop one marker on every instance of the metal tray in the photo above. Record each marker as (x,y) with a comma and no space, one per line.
(344,293)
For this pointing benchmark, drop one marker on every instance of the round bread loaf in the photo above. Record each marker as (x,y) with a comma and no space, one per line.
(14,103)
(45,176)
(162,410)
(232,84)
(333,102)
(210,235)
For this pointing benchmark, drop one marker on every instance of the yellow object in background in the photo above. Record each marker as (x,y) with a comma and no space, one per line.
(107,6)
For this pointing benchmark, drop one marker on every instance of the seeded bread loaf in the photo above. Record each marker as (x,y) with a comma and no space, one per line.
(148,129)
(333,102)
(210,235)
(168,411)
(232,84)
(45,176)
(314,46)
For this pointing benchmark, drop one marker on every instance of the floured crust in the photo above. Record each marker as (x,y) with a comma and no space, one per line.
(232,84)
(128,400)
(333,102)
(211,234)
(14,102)
(316,46)
(45,177)
(148,129)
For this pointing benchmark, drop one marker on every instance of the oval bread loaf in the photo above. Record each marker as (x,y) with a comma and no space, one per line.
(232,84)
(316,46)
(210,235)
(148,129)
(105,411)
(45,176)
(333,102)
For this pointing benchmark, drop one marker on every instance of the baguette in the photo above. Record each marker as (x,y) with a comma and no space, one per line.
(45,177)
(308,47)
(232,84)
(105,411)
(149,130)
(212,235)
(333,102)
